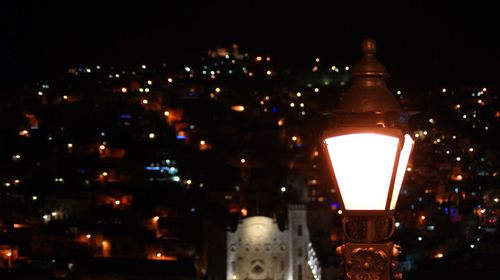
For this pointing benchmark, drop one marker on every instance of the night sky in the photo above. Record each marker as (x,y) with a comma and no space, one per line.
(423,46)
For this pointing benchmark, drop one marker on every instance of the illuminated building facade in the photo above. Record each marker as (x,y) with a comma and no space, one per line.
(259,250)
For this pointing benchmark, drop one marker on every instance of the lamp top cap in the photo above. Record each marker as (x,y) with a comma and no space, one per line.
(368,91)
(369,46)
(369,66)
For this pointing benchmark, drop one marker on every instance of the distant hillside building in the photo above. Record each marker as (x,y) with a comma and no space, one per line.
(258,250)
(225,52)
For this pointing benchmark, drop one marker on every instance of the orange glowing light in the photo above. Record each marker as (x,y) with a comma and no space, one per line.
(438,255)
(24,133)
(244,212)
(238,108)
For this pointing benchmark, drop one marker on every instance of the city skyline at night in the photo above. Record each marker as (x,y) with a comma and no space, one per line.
(147,140)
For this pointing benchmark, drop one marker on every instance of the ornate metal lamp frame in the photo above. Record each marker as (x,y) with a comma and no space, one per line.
(369,106)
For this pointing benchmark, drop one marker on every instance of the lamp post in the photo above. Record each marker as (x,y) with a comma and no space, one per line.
(368,149)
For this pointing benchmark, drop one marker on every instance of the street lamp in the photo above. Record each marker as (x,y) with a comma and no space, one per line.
(368,149)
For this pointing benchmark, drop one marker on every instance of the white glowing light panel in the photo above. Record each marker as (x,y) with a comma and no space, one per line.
(403,162)
(363,165)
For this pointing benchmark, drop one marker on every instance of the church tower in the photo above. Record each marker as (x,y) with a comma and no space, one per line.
(299,240)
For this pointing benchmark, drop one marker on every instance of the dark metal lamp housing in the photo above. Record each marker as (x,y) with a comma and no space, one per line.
(368,149)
